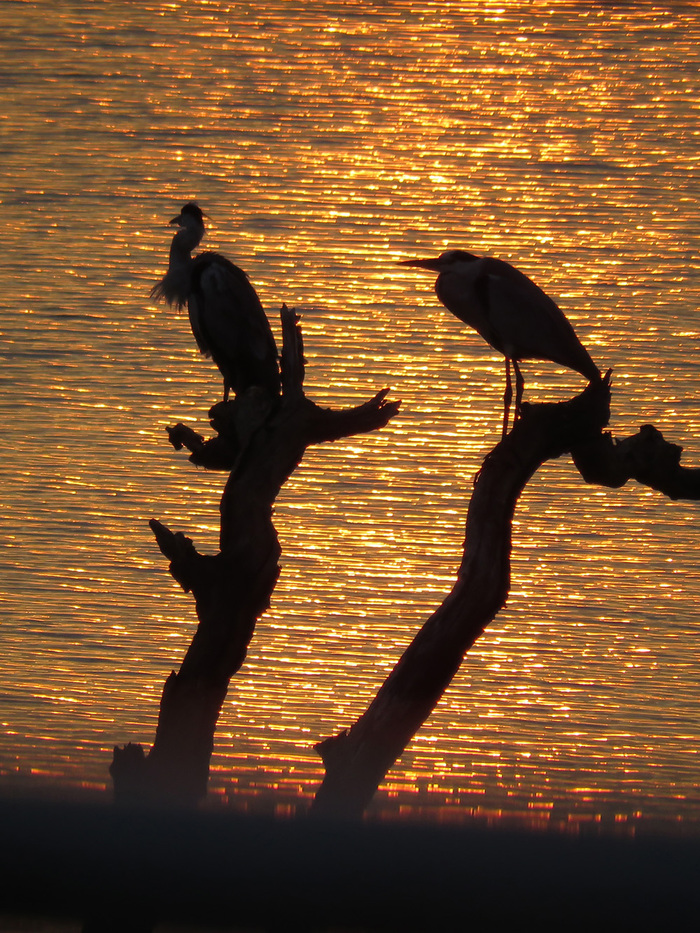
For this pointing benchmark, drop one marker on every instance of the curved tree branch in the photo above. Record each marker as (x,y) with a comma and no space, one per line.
(357,760)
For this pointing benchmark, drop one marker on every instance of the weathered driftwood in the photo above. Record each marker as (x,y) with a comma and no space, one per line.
(260,441)
(357,760)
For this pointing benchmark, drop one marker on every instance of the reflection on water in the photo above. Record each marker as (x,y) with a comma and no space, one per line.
(326,142)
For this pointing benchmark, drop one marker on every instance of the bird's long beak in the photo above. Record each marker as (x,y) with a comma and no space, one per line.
(430,265)
(176,220)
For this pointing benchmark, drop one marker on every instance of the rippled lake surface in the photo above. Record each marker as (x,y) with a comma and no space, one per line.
(327,140)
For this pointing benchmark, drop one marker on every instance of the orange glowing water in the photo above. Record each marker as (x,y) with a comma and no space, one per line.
(326,141)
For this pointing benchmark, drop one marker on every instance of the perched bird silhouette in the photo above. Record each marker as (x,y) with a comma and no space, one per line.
(228,321)
(510,312)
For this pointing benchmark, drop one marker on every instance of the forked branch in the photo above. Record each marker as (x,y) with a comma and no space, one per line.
(260,441)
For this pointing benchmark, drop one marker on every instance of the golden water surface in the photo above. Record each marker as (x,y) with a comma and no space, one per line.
(326,140)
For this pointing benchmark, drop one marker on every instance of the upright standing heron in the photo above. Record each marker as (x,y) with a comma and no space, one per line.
(510,312)
(228,321)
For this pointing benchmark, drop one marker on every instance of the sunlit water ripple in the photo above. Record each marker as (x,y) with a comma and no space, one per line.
(327,141)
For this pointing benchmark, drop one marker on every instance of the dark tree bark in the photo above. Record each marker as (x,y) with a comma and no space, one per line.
(357,760)
(260,441)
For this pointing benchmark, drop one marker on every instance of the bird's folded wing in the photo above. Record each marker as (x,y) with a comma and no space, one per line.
(528,322)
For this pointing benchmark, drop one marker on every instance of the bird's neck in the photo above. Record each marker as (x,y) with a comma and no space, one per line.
(177,283)
(184,241)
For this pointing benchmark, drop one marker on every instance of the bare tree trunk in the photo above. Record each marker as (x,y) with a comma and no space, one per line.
(261,441)
(357,760)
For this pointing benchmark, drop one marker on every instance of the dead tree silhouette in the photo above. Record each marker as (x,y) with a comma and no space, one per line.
(260,441)
(357,760)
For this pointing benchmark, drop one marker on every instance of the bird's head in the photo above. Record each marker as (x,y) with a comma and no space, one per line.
(450,259)
(190,216)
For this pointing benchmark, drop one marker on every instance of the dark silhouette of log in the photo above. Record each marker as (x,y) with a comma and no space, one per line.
(357,760)
(260,441)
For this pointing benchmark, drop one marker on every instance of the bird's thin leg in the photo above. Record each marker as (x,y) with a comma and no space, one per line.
(225,391)
(507,398)
(519,386)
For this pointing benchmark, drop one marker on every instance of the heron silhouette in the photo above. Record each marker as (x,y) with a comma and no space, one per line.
(510,312)
(227,318)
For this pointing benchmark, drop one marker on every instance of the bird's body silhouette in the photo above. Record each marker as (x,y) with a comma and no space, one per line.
(227,318)
(510,312)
